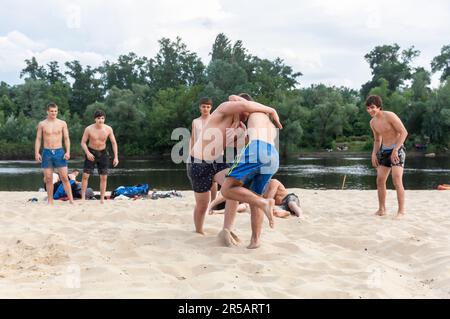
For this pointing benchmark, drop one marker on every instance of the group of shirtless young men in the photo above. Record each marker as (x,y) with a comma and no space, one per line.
(245,179)
(53,131)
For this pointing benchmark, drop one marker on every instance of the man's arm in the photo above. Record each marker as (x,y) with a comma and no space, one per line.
(235,98)
(402,135)
(377,139)
(237,107)
(66,141)
(112,138)
(84,139)
(37,143)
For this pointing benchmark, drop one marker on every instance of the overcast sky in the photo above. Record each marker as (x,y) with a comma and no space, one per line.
(326,40)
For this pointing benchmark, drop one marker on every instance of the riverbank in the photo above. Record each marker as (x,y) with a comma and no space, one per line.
(147,249)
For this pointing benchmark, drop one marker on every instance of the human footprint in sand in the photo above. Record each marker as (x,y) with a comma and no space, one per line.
(388,152)
(253,169)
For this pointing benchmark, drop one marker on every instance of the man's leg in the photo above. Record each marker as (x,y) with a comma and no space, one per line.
(232,189)
(257,218)
(228,236)
(65,180)
(382,175)
(295,209)
(201,206)
(48,175)
(103,179)
(84,185)
(214,188)
(397,180)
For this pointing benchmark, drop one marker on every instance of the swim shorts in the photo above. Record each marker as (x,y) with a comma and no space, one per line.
(384,156)
(256,165)
(101,161)
(53,158)
(201,173)
(287,199)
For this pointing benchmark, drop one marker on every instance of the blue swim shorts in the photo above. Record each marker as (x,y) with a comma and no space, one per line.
(255,166)
(53,158)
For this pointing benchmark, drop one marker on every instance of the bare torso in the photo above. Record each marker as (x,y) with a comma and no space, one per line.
(197,127)
(98,136)
(52,133)
(260,127)
(382,125)
(211,141)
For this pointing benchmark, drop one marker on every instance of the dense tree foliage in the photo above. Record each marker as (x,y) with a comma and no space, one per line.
(146,98)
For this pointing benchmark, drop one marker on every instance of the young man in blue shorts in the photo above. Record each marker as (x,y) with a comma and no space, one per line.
(53,131)
(249,177)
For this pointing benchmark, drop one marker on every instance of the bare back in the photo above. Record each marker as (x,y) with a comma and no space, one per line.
(384,127)
(260,127)
(52,133)
(210,143)
(98,136)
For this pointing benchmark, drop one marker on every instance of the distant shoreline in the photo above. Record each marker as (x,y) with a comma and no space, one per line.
(313,154)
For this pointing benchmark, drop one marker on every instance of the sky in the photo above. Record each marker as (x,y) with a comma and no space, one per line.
(326,40)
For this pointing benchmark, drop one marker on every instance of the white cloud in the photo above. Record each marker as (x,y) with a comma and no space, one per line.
(16,47)
(324,39)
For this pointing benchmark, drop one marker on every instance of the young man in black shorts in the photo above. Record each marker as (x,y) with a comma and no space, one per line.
(389,153)
(96,153)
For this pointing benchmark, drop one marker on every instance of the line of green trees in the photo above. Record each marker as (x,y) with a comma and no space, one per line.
(146,98)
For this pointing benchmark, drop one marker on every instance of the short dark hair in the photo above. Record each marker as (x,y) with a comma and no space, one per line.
(375,100)
(246,96)
(51,105)
(205,100)
(76,170)
(99,113)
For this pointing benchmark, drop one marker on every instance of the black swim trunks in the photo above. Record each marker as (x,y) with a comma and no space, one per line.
(201,173)
(101,161)
(287,199)
(384,156)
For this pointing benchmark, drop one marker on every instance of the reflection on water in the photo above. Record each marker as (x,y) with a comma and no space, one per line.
(306,172)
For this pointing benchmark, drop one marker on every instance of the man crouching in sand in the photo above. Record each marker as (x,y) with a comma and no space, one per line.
(248,178)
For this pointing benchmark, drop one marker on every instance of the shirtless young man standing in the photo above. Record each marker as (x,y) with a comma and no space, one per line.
(207,162)
(96,153)
(388,152)
(53,131)
(197,128)
(252,170)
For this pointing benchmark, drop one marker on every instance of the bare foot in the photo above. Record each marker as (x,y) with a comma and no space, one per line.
(228,238)
(254,245)
(201,232)
(235,237)
(400,215)
(380,212)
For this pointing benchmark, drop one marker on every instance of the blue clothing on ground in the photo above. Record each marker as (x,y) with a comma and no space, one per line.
(60,192)
(256,165)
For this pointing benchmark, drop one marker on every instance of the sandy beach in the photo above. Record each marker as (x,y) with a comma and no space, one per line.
(147,249)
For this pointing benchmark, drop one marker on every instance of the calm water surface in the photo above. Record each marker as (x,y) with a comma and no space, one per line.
(304,172)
